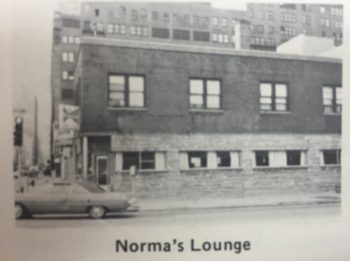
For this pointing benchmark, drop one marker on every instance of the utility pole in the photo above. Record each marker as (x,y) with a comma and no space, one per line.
(35,159)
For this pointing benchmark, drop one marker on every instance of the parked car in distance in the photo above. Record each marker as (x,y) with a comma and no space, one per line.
(65,197)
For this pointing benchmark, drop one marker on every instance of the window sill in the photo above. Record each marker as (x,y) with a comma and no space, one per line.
(330,165)
(332,113)
(282,167)
(275,112)
(144,171)
(206,110)
(127,108)
(209,169)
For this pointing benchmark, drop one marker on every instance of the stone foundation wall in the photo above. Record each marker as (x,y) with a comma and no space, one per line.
(248,180)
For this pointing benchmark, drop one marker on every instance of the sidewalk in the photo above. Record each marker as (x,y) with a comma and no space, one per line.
(252,201)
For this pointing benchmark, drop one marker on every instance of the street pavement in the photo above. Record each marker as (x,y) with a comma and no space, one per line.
(230,215)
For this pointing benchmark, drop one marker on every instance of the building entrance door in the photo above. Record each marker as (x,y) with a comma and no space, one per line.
(102,170)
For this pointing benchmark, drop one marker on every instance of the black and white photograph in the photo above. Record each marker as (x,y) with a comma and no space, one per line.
(177,130)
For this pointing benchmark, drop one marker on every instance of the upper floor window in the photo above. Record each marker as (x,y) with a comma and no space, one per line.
(143,12)
(215,21)
(154,16)
(205,94)
(68,75)
(224,22)
(70,22)
(68,57)
(325,22)
(160,32)
(336,11)
(166,17)
(289,17)
(273,97)
(201,36)
(270,16)
(332,99)
(181,34)
(305,7)
(97,12)
(67,94)
(322,9)
(134,15)
(126,91)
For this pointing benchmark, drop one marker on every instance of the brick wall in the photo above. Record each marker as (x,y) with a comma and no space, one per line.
(167,76)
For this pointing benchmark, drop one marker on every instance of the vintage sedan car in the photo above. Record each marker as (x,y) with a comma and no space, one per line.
(71,197)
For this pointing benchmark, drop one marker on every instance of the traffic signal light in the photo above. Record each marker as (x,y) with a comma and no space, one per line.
(18,134)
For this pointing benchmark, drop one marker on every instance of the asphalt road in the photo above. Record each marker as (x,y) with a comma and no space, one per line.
(228,216)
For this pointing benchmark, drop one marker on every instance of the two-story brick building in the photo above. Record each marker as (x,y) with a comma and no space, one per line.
(205,122)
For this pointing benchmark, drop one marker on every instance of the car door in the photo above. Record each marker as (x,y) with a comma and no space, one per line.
(55,201)
(79,199)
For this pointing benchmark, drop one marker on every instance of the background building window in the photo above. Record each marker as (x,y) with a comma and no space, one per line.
(160,32)
(181,34)
(134,15)
(201,36)
(331,157)
(205,94)
(68,75)
(69,22)
(67,94)
(64,39)
(215,21)
(273,97)
(68,57)
(154,16)
(332,99)
(126,91)
(224,22)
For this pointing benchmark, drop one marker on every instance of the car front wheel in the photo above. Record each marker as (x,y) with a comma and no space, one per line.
(97,212)
(20,211)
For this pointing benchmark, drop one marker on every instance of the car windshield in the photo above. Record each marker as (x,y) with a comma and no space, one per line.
(91,187)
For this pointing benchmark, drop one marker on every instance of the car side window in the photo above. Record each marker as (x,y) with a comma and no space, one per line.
(79,189)
(60,188)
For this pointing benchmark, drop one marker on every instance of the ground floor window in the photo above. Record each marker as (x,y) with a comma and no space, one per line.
(142,160)
(209,159)
(331,157)
(280,158)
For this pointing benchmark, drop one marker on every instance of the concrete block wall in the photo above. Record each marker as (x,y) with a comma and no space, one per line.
(245,181)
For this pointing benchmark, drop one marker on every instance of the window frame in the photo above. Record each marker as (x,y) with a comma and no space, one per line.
(273,97)
(205,93)
(126,90)
(271,160)
(334,99)
(140,160)
(338,157)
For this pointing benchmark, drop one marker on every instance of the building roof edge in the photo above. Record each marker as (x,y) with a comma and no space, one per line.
(151,45)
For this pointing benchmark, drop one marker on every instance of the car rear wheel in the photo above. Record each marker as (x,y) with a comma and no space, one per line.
(97,212)
(20,211)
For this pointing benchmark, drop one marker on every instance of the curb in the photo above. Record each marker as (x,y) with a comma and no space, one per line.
(279,204)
